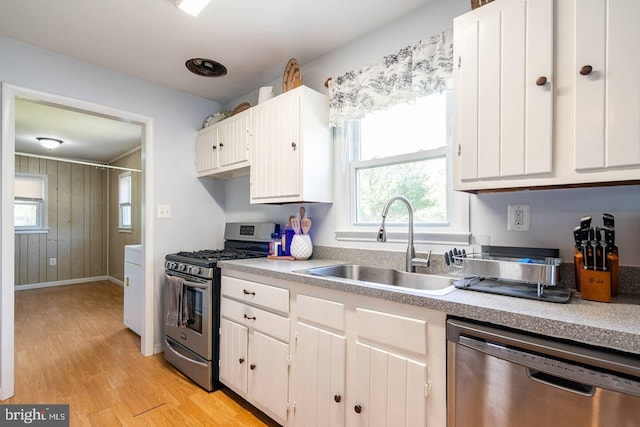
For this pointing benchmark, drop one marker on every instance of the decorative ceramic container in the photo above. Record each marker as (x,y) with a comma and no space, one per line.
(301,246)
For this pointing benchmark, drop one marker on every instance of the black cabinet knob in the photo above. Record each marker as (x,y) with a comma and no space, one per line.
(357,408)
(337,398)
(586,70)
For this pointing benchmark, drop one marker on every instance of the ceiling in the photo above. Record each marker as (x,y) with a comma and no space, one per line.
(86,136)
(152,39)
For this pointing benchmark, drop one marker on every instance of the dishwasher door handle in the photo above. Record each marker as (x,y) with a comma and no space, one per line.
(561,383)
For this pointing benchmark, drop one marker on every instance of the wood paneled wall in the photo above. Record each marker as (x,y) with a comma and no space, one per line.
(77,222)
(118,239)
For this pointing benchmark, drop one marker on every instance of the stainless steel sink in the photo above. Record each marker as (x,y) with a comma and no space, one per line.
(424,283)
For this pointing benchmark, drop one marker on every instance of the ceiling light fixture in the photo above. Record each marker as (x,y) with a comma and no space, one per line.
(192,7)
(49,143)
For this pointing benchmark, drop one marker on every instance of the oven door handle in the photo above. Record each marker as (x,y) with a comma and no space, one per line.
(192,284)
(170,347)
(195,285)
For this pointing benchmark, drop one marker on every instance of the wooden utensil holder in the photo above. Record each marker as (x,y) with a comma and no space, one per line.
(597,285)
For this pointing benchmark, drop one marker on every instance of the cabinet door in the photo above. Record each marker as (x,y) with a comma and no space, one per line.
(319,377)
(206,150)
(269,374)
(607,96)
(503,89)
(275,148)
(233,355)
(390,390)
(233,139)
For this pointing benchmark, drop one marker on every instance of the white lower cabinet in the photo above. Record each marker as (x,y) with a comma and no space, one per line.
(254,344)
(351,360)
(390,389)
(234,340)
(269,374)
(391,381)
(319,362)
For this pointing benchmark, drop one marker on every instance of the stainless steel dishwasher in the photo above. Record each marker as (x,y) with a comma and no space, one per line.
(499,377)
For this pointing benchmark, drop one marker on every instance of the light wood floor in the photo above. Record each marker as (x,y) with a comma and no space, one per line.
(72,348)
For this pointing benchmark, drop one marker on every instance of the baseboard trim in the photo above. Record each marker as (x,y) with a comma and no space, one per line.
(60,283)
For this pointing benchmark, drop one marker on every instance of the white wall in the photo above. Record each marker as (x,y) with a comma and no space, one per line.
(177,116)
(554,213)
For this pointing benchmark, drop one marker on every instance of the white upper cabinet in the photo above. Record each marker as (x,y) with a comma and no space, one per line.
(503,82)
(291,149)
(507,135)
(222,150)
(607,84)
(206,151)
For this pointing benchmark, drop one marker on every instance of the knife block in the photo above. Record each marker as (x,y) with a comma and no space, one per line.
(597,285)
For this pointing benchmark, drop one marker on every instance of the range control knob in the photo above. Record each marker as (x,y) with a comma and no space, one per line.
(194,270)
(181,267)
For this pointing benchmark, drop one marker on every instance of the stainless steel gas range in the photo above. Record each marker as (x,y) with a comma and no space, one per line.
(192,300)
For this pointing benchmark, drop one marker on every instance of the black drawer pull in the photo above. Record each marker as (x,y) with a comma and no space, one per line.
(250,317)
(246,292)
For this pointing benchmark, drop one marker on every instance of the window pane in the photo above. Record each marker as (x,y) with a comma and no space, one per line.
(124,189)
(125,216)
(423,182)
(26,214)
(405,128)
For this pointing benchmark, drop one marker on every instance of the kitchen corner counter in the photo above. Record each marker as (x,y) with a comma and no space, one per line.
(613,325)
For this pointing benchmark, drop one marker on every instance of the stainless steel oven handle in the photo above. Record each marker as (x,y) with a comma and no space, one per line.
(193,284)
(170,347)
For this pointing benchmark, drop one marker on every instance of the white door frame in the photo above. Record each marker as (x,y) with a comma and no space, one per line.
(7,248)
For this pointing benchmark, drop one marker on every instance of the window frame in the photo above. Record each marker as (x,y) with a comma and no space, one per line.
(42,225)
(121,205)
(455,232)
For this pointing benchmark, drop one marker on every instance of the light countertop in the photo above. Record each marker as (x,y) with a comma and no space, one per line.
(614,325)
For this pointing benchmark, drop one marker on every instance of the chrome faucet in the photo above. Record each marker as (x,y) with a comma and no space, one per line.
(412,261)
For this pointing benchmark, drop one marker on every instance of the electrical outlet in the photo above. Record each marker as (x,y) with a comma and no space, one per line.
(518,218)
(53,261)
(164,211)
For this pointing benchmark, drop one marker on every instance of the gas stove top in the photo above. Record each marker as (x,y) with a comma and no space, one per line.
(209,257)
(243,241)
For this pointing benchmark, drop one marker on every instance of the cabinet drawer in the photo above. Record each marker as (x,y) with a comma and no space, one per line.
(254,293)
(400,332)
(321,311)
(253,317)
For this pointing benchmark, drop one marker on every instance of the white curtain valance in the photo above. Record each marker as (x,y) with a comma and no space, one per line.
(412,72)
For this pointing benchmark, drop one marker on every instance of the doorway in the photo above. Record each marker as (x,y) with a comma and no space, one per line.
(7,250)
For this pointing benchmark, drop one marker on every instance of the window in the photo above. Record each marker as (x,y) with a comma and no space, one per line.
(30,205)
(124,201)
(405,150)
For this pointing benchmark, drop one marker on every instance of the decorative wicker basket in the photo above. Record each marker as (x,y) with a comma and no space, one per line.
(477,3)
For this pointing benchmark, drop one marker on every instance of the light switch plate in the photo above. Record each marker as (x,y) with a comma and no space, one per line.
(164,211)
